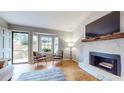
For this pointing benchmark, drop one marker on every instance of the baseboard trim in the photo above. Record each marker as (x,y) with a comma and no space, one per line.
(75,60)
(66,59)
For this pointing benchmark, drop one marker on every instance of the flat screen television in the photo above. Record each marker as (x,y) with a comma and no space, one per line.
(107,24)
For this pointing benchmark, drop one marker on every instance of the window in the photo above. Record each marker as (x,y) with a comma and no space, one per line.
(35,42)
(46,42)
(56,44)
(41,42)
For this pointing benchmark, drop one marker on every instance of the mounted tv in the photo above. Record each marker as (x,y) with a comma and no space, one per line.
(105,25)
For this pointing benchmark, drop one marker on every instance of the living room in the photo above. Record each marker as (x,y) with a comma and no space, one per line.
(70,37)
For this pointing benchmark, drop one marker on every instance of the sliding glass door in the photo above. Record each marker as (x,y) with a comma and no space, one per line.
(20,47)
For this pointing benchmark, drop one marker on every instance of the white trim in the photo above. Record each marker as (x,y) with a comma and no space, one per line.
(65,59)
(75,60)
(30,47)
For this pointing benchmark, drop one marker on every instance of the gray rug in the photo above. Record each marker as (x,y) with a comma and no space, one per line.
(52,74)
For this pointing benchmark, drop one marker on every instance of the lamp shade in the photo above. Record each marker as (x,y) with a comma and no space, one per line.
(70,44)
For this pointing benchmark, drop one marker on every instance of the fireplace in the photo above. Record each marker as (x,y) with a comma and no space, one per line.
(108,62)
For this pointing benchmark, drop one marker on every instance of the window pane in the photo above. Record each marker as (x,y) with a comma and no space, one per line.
(35,42)
(20,47)
(46,42)
(56,44)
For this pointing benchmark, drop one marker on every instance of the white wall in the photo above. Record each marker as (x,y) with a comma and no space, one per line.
(79,33)
(3,23)
(108,46)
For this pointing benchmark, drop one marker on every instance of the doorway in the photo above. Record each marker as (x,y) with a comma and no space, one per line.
(20,44)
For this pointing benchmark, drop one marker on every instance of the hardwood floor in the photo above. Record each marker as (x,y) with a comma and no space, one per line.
(69,68)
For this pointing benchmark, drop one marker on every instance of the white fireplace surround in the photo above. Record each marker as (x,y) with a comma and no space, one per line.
(110,46)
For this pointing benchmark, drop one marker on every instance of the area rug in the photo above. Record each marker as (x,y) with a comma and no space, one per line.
(51,74)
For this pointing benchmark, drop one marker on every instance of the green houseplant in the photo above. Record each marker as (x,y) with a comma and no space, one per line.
(46,49)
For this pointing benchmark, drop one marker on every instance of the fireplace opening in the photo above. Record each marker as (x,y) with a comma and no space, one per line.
(108,62)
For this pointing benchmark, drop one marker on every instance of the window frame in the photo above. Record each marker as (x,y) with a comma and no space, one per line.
(51,41)
(40,42)
(37,42)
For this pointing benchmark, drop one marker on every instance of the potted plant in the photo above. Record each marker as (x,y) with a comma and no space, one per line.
(46,50)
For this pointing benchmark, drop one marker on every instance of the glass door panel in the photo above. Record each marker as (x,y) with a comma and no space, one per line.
(20,47)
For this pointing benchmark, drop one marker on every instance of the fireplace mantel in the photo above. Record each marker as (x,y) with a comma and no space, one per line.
(106,37)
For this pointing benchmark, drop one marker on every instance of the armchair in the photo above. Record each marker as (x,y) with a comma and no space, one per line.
(38,57)
(58,56)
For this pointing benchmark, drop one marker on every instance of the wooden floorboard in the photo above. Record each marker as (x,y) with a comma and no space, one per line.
(70,69)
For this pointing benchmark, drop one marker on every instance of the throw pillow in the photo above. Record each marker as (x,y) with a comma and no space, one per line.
(2,64)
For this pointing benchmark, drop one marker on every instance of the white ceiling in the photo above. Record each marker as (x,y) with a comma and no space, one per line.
(63,21)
